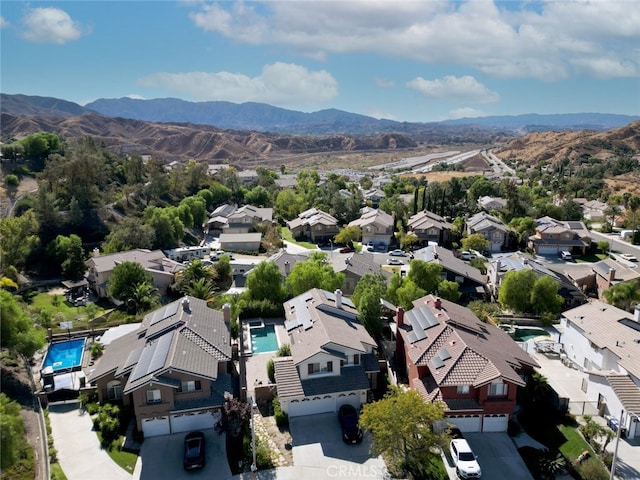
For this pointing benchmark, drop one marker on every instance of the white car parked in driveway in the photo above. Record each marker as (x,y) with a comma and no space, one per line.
(464,459)
(628,257)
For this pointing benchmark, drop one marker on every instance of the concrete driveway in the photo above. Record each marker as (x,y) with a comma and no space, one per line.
(498,456)
(318,447)
(161,457)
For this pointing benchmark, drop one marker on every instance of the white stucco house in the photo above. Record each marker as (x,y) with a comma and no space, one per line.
(604,342)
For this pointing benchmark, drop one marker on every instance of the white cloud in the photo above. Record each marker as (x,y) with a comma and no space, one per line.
(605,67)
(3,23)
(282,84)
(465,112)
(491,37)
(462,89)
(135,96)
(50,25)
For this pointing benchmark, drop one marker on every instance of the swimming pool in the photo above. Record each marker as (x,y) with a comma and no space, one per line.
(66,355)
(264,339)
(522,334)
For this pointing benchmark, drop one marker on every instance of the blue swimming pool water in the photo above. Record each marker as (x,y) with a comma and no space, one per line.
(264,339)
(64,355)
(524,334)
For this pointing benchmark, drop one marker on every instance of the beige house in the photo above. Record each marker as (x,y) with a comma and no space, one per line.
(377,228)
(172,370)
(553,236)
(430,227)
(100,268)
(491,228)
(315,225)
(332,361)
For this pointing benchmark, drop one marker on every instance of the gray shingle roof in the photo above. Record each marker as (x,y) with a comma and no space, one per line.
(350,378)
(287,378)
(425,219)
(450,262)
(627,392)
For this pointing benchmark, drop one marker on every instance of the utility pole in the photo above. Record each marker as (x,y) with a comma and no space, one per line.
(615,450)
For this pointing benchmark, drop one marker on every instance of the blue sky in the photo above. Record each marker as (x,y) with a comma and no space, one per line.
(419,60)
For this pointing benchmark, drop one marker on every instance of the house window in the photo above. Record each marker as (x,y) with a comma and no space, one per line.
(114,390)
(153,396)
(319,367)
(463,389)
(190,386)
(356,359)
(498,389)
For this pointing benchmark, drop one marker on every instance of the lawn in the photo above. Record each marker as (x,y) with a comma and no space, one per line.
(126,460)
(56,472)
(591,258)
(286,235)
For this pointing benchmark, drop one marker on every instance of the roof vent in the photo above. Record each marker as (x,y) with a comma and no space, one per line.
(185,304)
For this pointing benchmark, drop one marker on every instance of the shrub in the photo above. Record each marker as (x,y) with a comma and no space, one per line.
(284,351)
(592,469)
(96,349)
(12,180)
(282,419)
(271,371)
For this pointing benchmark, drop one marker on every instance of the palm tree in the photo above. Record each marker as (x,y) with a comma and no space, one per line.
(201,288)
(613,211)
(633,207)
(195,270)
(141,297)
(623,295)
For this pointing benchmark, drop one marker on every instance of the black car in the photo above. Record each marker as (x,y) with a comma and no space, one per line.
(193,451)
(351,431)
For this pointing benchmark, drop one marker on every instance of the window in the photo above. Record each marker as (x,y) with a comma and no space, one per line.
(190,386)
(153,396)
(498,389)
(356,359)
(319,367)
(463,389)
(114,390)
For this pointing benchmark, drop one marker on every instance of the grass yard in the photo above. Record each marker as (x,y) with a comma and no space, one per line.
(592,258)
(126,460)
(286,235)
(56,472)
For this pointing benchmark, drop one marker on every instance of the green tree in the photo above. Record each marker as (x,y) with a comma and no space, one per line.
(624,295)
(124,279)
(449,290)
(515,290)
(130,233)
(12,433)
(18,237)
(141,298)
(264,282)
(197,207)
(348,235)
(401,425)
(313,273)
(68,255)
(167,225)
(475,241)
(220,194)
(395,282)
(544,296)
(409,292)
(425,275)
(17,330)
(258,196)
(367,282)
(288,204)
(369,312)
(195,270)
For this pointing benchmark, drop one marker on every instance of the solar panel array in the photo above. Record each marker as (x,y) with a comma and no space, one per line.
(302,316)
(153,357)
(164,312)
(421,319)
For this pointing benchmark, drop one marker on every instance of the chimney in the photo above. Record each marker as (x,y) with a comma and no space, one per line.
(636,313)
(437,303)
(287,268)
(95,252)
(338,293)
(185,305)
(400,317)
(226,312)
(612,275)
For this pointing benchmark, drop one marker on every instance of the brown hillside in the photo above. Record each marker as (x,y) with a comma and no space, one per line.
(554,147)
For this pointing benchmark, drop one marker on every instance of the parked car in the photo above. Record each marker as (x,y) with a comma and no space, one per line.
(395,261)
(397,253)
(346,250)
(194,446)
(628,257)
(215,256)
(465,255)
(566,255)
(464,459)
(348,418)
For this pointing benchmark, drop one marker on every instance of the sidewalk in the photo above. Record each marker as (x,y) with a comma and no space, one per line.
(79,451)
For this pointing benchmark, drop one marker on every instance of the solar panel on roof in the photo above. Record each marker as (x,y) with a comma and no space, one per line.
(153,357)
(437,362)
(444,354)
(165,312)
(302,316)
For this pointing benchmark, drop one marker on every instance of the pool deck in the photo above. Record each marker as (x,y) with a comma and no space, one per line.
(256,364)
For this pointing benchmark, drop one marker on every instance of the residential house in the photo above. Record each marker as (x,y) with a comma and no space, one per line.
(373,196)
(491,203)
(287,180)
(553,236)
(246,242)
(491,228)
(472,283)
(604,342)
(172,370)
(377,228)
(100,268)
(248,177)
(594,210)
(245,218)
(602,276)
(218,219)
(315,225)
(430,227)
(356,267)
(474,368)
(332,360)
(497,269)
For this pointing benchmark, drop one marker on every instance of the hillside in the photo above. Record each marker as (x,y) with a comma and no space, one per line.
(553,147)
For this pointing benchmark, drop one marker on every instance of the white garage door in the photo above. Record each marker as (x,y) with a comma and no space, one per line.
(547,250)
(495,423)
(152,427)
(312,406)
(186,422)
(466,423)
(352,398)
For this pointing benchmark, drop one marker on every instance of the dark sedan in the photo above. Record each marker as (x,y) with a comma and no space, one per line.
(351,431)
(194,451)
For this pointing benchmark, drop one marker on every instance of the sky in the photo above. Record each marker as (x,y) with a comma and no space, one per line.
(405,60)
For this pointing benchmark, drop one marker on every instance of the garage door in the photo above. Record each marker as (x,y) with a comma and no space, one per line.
(352,398)
(547,250)
(466,423)
(312,405)
(186,422)
(152,427)
(495,423)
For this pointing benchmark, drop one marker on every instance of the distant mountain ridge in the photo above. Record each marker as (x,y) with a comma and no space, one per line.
(261,117)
